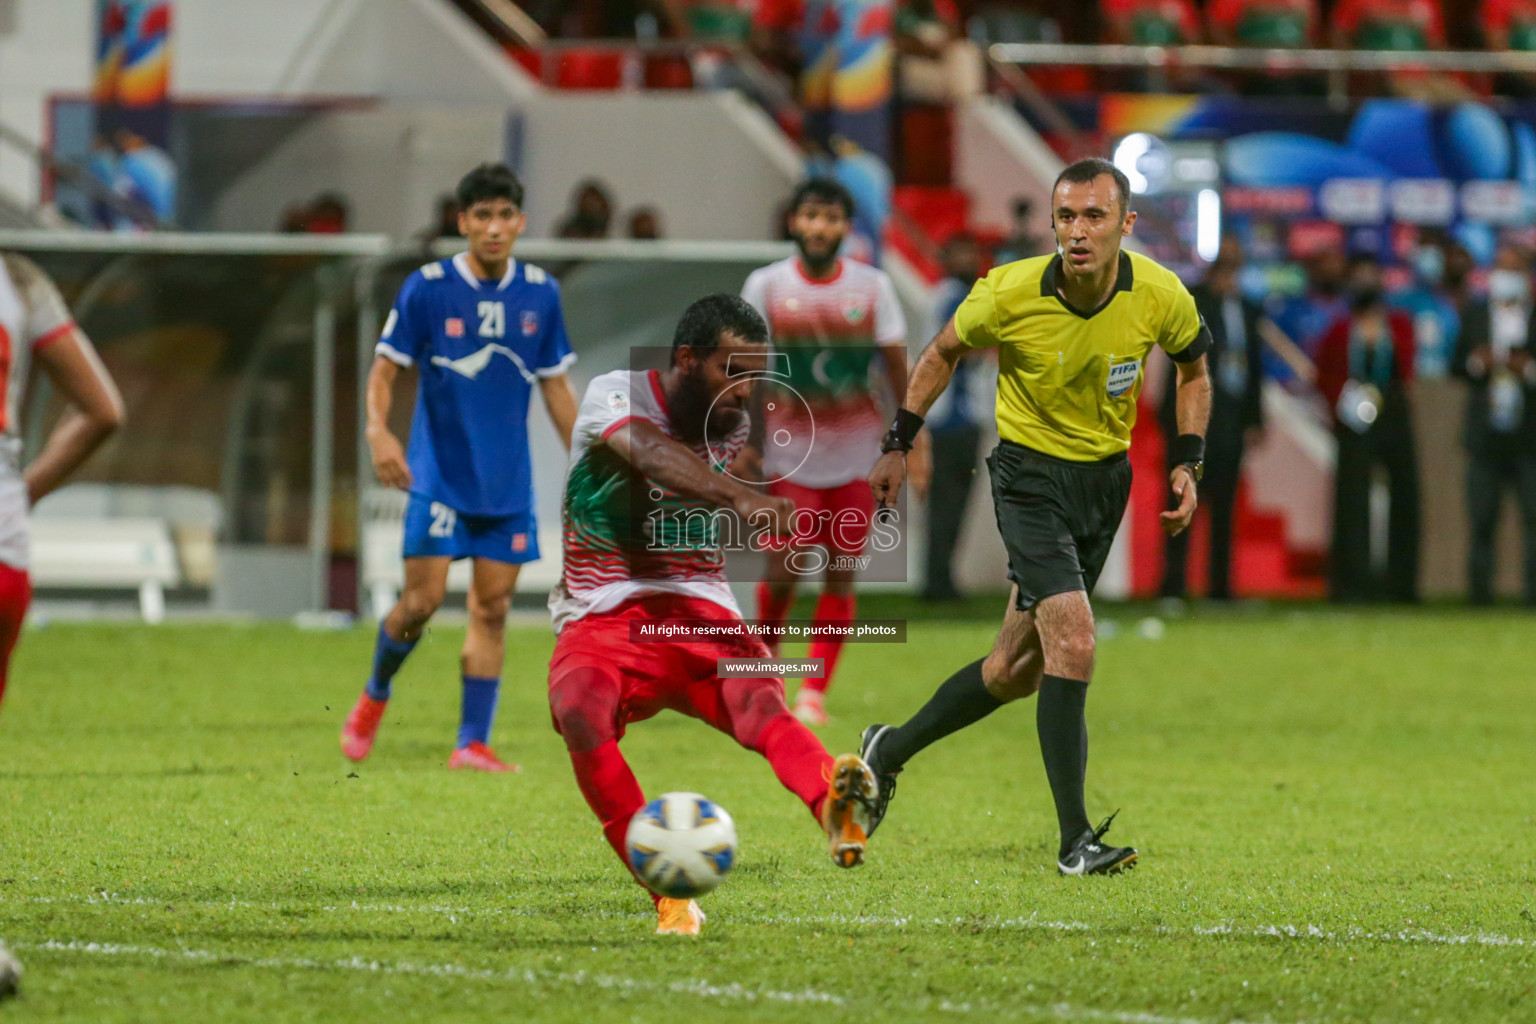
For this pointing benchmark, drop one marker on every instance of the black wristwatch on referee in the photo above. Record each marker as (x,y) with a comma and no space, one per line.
(903,432)
(1189,452)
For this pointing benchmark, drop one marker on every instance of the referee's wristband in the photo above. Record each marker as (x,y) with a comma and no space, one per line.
(903,432)
(1188,449)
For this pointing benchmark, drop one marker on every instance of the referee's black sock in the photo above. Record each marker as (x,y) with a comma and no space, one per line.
(961,700)
(1064,744)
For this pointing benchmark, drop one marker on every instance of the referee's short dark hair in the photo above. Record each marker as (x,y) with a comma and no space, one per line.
(709,318)
(1084,171)
(489,181)
(822,190)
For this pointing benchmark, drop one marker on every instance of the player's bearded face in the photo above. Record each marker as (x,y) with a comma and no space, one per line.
(706,404)
(1089,223)
(691,406)
(818,230)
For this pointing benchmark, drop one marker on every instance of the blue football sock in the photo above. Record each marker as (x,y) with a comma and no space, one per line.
(479,709)
(388,655)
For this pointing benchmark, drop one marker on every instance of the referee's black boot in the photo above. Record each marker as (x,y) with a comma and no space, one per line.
(869,750)
(1089,856)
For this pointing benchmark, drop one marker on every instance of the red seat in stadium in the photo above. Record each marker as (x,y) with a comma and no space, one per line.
(531,60)
(926,145)
(590,69)
(668,71)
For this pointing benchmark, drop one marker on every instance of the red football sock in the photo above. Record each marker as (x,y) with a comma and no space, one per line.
(838,608)
(15,596)
(771,610)
(798,759)
(611,791)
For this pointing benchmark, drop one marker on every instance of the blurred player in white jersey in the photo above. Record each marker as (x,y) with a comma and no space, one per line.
(830,316)
(35,324)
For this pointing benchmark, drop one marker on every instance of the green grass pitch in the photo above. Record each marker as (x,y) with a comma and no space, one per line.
(1336,813)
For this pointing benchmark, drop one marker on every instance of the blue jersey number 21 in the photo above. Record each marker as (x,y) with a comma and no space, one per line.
(443,520)
(493,319)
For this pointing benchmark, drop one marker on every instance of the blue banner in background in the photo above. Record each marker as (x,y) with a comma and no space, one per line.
(1298,173)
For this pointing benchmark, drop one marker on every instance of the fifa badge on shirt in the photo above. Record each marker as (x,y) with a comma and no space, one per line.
(618,401)
(1121,377)
(454,328)
(519,542)
(530,323)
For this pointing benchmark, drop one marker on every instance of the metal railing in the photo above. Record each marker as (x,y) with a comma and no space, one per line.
(70,173)
(1072,141)
(511,25)
(328,293)
(771,88)
(1069,141)
(1252,59)
(504,19)
(1335,64)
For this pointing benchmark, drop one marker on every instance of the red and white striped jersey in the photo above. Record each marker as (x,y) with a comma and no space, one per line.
(32,315)
(625,535)
(828,331)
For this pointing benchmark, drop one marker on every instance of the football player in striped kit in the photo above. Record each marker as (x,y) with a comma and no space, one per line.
(838,324)
(35,324)
(644,558)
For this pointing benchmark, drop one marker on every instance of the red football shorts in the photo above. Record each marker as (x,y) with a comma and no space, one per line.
(15,596)
(836,518)
(677,675)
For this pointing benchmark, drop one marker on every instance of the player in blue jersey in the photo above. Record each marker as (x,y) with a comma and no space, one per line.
(482,330)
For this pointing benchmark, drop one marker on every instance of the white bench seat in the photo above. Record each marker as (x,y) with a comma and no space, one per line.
(80,553)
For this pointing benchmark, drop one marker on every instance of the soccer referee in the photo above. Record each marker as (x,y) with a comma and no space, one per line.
(1073,331)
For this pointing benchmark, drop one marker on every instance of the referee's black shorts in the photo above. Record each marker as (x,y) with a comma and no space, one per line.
(1058,518)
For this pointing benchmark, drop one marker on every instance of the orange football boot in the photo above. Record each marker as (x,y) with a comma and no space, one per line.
(845,813)
(678,917)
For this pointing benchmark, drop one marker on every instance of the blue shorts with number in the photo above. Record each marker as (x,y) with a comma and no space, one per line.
(433,530)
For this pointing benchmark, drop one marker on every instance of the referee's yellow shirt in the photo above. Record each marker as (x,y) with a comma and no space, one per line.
(1068,378)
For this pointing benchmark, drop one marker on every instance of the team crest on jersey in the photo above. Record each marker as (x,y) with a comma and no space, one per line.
(530,323)
(855,311)
(1122,376)
(454,328)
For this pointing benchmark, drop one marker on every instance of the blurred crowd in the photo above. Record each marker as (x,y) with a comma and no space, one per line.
(939,43)
(1360,349)
(1357,24)
(1366,347)
(589,216)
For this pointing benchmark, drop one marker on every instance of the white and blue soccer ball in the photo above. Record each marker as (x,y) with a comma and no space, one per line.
(681,845)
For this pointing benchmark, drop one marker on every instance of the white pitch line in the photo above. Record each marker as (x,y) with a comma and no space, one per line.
(1283,931)
(1413,936)
(530,976)
(525,975)
(1410,935)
